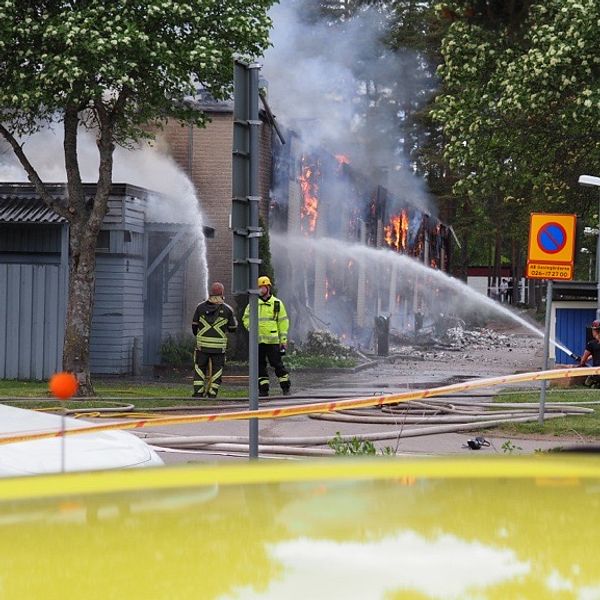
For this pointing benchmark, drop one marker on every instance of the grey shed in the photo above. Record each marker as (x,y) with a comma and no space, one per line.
(144,290)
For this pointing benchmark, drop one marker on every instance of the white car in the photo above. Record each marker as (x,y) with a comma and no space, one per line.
(85,452)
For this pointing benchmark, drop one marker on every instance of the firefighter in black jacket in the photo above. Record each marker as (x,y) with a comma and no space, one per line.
(212,320)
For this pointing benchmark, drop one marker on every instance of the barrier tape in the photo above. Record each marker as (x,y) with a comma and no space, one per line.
(307,409)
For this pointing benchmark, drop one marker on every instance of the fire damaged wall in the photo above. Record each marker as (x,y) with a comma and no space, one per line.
(318,195)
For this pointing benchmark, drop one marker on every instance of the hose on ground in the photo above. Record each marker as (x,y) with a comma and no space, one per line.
(297,445)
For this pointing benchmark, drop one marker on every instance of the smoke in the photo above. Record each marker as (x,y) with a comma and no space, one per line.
(146,166)
(340,87)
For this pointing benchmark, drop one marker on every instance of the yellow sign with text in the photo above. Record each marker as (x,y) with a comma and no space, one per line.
(544,271)
(551,246)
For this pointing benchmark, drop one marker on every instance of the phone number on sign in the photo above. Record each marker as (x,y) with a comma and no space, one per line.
(549,274)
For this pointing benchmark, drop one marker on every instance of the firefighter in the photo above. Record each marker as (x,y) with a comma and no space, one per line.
(212,320)
(273,325)
(592,349)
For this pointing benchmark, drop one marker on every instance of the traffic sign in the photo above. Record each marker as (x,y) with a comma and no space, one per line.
(551,246)
(552,237)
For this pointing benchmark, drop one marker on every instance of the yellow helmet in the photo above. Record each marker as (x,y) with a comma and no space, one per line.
(264,280)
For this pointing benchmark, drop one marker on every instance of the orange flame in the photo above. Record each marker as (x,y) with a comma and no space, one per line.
(342,159)
(309,212)
(396,233)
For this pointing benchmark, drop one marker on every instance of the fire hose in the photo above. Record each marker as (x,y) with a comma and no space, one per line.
(329,407)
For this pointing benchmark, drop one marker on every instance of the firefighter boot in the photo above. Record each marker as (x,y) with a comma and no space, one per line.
(263,386)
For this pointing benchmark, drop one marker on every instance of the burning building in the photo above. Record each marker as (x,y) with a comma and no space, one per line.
(320,195)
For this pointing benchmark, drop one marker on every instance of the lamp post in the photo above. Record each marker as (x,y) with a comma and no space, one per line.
(587,253)
(595,182)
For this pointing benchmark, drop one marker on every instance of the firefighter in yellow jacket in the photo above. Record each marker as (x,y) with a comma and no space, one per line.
(273,325)
(212,320)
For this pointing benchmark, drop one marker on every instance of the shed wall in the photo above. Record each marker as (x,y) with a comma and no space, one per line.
(118,314)
(32,321)
(570,322)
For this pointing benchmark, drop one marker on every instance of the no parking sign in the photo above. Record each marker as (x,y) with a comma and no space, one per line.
(551,246)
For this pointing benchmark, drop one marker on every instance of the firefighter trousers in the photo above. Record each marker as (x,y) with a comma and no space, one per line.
(208,368)
(271,353)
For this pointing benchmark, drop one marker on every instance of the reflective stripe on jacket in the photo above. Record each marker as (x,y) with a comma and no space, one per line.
(273,323)
(210,325)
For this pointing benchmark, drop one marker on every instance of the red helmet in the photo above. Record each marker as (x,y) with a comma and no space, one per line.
(217,289)
(596,324)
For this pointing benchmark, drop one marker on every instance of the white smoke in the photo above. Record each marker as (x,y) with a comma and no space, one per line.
(341,88)
(146,166)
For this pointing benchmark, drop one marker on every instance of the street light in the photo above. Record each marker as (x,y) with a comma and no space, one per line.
(587,252)
(595,182)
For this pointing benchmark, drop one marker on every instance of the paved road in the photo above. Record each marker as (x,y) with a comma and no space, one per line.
(523,354)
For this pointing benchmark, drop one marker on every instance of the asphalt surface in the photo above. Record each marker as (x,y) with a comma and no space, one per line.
(518,352)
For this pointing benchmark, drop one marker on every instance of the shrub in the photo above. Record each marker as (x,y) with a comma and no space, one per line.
(324,343)
(178,351)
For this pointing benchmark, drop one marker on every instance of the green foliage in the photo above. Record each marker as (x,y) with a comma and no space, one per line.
(154,394)
(356,446)
(325,343)
(518,105)
(178,351)
(298,360)
(136,59)
(520,108)
(352,447)
(587,425)
(321,350)
(508,447)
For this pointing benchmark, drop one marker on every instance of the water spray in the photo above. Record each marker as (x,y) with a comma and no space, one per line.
(568,352)
(329,248)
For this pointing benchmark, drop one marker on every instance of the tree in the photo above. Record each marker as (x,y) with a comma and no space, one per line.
(520,104)
(119,68)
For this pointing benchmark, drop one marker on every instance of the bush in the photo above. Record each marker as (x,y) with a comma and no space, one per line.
(324,343)
(178,351)
(321,350)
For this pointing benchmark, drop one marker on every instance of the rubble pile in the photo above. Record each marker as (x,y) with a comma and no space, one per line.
(433,343)
(457,337)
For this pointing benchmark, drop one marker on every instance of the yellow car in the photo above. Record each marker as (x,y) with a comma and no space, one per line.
(510,527)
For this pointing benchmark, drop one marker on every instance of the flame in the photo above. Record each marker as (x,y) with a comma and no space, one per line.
(433,263)
(342,159)
(310,199)
(326,288)
(396,233)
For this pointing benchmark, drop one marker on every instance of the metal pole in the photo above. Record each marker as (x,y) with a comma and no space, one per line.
(546,348)
(253,235)
(63,439)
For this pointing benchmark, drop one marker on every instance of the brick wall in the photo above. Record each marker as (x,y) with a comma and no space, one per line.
(205,155)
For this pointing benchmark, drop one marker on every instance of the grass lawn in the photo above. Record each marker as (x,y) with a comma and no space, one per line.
(587,426)
(153,394)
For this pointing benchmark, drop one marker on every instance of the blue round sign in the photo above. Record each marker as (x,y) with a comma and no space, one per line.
(552,238)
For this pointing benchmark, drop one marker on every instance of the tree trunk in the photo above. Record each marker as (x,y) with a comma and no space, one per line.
(85,221)
(80,306)
(85,224)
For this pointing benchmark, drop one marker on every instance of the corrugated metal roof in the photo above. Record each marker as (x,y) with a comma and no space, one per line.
(27,210)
